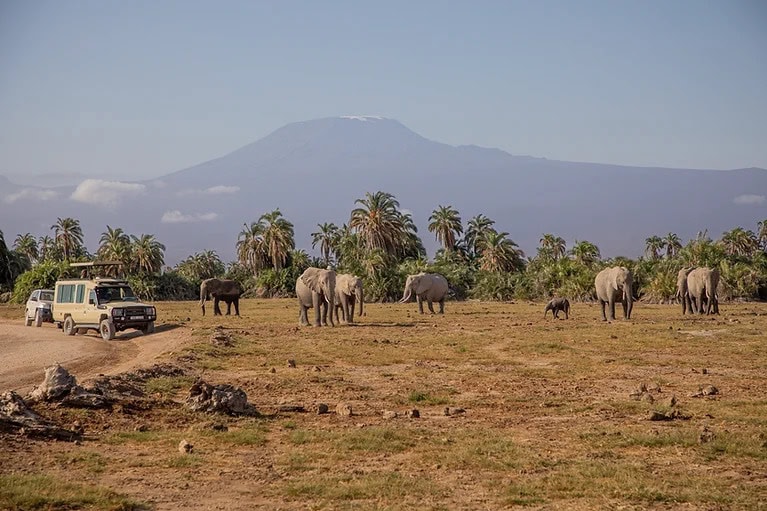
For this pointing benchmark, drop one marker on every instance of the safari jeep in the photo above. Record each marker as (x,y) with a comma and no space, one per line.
(106,305)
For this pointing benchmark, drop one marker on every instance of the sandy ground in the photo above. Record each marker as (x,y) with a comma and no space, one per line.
(26,351)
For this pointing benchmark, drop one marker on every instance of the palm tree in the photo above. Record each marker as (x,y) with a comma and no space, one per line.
(251,250)
(740,242)
(26,245)
(114,245)
(653,245)
(672,243)
(445,223)
(585,252)
(147,254)
(476,229)
(762,234)
(47,248)
(68,235)
(553,246)
(327,237)
(500,253)
(278,237)
(379,222)
(201,266)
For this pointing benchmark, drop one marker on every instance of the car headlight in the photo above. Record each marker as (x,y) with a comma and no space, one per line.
(150,311)
(118,312)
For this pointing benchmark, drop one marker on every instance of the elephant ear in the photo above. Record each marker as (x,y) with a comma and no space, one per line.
(311,278)
(349,285)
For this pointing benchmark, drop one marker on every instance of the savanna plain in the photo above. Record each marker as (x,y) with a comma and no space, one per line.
(515,411)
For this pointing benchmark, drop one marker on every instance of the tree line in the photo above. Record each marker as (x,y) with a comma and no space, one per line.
(381,244)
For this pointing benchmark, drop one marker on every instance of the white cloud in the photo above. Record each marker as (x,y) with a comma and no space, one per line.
(176,217)
(749,199)
(213,190)
(31,194)
(105,193)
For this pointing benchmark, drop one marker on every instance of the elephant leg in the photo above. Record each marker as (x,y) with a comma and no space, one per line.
(430,304)
(611,304)
(352,303)
(700,303)
(216,308)
(442,306)
(237,306)
(420,304)
(345,307)
(625,305)
(228,307)
(303,318)
(567,313)
(316,304)
(602,303)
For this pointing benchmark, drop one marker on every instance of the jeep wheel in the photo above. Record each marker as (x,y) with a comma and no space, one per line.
(69,326)
(38,319)
(148,328)
(107,330)
(27,319)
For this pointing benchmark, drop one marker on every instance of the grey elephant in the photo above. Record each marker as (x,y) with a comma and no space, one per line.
(221,289)
(558,304)
(316,288)
(348,294)
(682,293)
(702,285)
(431,287)
(614,284)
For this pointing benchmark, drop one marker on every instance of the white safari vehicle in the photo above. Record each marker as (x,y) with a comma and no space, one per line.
(38,307)
(106,305)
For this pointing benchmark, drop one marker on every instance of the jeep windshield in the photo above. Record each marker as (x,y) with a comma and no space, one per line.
(46,296)
(107,294)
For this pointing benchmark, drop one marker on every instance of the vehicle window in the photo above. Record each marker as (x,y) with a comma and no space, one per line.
(92,298)
(46,295)
(66,294)
(127,294)
(34,296)
(80,293)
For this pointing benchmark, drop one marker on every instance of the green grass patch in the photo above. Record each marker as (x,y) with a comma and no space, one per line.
(41,492)
(183,461)
(93,462)
(168,386)
(425,398)
(377,485)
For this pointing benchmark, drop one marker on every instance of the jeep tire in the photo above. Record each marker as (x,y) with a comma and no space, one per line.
(27,319)
(69,326)
(148,328)
(38,318)
(107,330)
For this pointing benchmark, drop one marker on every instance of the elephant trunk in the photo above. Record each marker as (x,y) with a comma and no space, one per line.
(360,298)
(629,295)
(203,297)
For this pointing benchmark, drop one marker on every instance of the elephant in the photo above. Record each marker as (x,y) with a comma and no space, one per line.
(558,304)
(316,288)
(431,287)
(348,293)
(221,289)
(701,286)
(614,284)
(682,294)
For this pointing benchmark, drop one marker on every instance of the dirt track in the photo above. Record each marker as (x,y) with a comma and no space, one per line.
(26,351)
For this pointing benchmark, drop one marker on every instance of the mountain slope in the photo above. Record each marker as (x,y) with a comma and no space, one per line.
(314,170)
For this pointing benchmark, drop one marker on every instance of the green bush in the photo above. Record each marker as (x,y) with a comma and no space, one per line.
(42,276)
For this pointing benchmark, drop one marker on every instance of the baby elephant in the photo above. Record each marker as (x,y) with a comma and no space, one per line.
(556,305)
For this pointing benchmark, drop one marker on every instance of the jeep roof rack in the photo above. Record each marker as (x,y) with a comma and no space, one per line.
(97,263)
(90,266)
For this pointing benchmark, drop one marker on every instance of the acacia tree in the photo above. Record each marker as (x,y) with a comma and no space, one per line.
(445,223)
(68,235)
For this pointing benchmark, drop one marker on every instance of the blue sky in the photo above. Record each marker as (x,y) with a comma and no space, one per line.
(138,89)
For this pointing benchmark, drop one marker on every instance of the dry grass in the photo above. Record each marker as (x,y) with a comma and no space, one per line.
(548,420)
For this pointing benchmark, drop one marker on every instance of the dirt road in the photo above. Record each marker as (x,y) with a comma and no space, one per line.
(26,351)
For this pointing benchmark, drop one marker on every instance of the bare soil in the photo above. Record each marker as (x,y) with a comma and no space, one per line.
(514,411)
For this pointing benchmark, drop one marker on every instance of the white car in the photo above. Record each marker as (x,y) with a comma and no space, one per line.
(38,308)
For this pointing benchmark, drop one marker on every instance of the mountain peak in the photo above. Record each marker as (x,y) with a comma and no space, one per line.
(364,118)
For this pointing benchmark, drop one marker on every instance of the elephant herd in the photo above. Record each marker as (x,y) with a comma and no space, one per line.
(331,294)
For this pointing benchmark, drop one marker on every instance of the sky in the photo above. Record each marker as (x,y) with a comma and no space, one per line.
(135,90)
